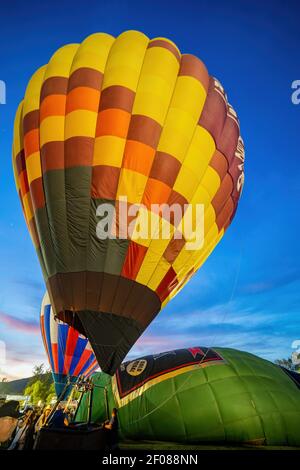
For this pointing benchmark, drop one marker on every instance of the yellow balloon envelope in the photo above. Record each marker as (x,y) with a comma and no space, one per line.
(132,124)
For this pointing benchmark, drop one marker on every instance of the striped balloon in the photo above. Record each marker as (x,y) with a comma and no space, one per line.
(127,122)
(69,353)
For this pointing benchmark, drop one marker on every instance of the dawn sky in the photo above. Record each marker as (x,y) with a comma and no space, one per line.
(247,295)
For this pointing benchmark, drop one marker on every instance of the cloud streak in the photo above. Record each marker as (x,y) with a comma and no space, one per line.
(26,326)
(271,283)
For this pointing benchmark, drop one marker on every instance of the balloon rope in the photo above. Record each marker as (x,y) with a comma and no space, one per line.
(69,399)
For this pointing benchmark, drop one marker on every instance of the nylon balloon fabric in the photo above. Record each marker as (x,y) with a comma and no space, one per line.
(200,395)
(113,118)
(69,353)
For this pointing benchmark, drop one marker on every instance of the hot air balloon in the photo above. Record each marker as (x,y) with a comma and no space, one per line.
(200,395)
(69,353)
(126,121)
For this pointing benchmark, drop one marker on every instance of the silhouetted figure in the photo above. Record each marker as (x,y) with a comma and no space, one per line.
(111,428)
(58,419)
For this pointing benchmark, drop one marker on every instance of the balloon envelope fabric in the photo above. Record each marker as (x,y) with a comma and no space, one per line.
(69,353)
(200,395)
(123,121)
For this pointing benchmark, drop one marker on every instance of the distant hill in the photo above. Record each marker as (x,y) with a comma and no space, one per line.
(15,387)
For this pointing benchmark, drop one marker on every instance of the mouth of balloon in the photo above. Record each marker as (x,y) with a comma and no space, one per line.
(72,319)
(110,310)
(111,336)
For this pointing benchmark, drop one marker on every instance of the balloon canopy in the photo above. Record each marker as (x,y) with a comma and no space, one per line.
(132,123)
(69,353)
(200,395)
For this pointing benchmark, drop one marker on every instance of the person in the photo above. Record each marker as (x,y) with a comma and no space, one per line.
(30,431)
(43,418)
(111,428)
(9,415)
(59,418)
(21,430)
(68,417)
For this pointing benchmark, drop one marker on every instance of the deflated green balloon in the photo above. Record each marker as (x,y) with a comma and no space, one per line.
(200,395)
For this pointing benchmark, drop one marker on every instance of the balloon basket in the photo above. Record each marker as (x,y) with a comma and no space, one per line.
(78,437)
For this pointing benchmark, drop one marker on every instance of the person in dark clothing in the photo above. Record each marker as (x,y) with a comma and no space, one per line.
(58,419)
(111,428)
(30,433)
(10,408)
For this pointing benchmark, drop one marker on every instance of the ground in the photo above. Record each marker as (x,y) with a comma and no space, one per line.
(152,445)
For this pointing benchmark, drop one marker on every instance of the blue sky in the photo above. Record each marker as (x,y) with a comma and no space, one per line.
(247,295)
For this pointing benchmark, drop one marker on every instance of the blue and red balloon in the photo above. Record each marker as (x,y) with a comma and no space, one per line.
(70,354)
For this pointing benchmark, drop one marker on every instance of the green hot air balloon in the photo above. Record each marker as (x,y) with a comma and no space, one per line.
(199,395)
